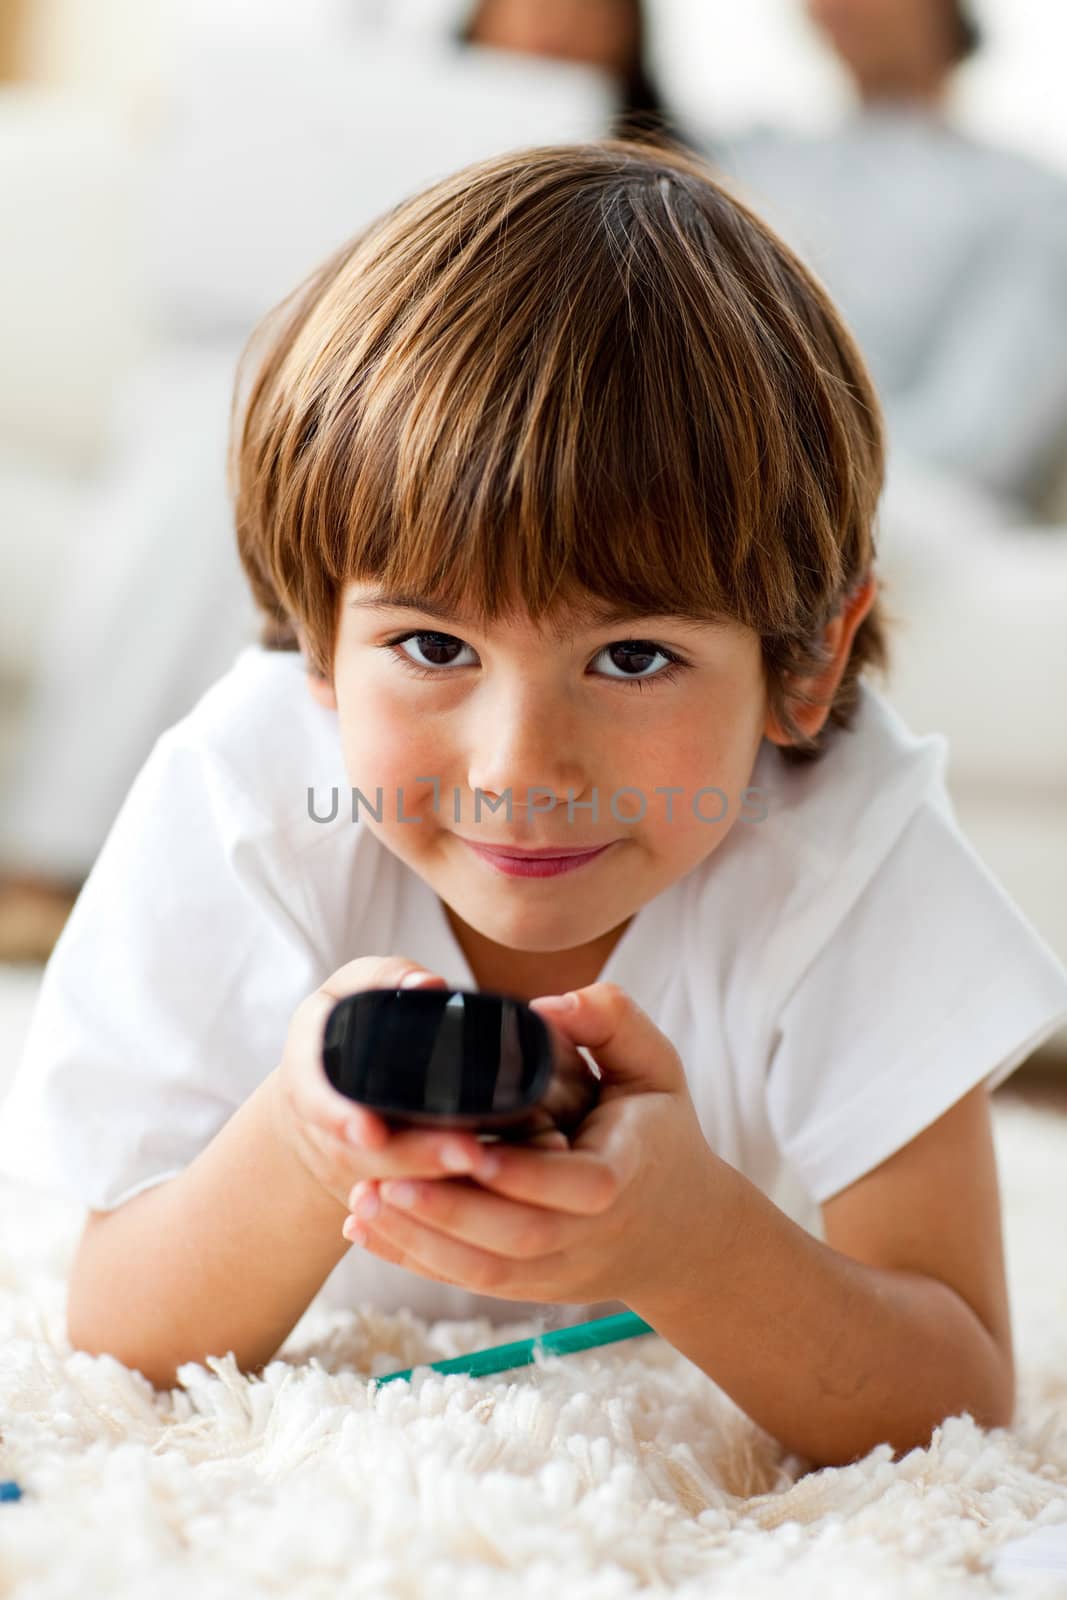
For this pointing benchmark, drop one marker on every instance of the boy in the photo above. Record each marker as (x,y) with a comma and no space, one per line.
(556,490)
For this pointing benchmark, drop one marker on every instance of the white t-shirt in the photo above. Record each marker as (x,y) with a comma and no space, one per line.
(834,977)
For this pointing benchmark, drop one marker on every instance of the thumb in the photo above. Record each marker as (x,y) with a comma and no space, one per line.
(625,1043)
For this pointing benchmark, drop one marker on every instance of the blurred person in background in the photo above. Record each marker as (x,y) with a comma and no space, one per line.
(947,256)
(611,35)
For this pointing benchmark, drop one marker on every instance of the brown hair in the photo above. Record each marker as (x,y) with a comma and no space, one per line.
(567,372)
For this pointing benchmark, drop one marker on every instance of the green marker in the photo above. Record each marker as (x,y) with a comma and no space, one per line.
(520,1353)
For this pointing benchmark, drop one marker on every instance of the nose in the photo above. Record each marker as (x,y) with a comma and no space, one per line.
(526,740)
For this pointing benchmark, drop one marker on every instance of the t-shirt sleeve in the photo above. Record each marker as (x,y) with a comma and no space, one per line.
(168,995)
(932,983)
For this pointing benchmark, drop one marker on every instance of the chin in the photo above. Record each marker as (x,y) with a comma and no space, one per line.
(543,930)
(531,934)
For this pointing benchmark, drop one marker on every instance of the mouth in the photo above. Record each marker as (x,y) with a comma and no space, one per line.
(541,863)
(547,853)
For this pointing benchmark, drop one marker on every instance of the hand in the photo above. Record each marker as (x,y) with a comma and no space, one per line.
(339,1141)
(609,1219)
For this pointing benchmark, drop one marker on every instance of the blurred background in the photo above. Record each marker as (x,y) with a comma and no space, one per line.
(168,172)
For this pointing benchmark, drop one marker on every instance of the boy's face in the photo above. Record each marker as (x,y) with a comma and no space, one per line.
(515,708)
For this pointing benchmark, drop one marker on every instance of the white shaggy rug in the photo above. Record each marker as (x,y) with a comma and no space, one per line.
(618,1472)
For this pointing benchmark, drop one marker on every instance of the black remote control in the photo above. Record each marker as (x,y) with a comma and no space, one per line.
(457,1058)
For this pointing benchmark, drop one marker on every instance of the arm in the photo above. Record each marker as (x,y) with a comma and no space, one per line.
(226,1256)
(833,1354)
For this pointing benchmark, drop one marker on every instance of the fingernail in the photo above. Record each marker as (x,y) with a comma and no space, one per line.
(487,1166)
(456,1158)
(411,980)
(560,1002)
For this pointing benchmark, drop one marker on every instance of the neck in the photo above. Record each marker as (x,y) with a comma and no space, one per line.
(529,973)
(923,86)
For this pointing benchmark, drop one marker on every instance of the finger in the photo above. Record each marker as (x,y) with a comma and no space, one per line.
(408,1153)
(379,972)
(406,1238)
(377,1244)
(579,1182)
(466,1212)
(434,1152)
(629,1049)
(551,1139)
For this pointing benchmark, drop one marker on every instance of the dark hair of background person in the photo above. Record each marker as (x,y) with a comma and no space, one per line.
(642,111)
(968,33)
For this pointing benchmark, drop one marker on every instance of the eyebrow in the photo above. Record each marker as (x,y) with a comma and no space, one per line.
(595,616)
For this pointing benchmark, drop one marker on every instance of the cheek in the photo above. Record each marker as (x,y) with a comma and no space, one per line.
(692,752)
(383,743)
(387,751)
(699,756)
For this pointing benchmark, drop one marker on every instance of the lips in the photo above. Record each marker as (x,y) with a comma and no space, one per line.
(549,852)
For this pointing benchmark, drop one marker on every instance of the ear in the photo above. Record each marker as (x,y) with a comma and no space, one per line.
(321,687)
(838,637)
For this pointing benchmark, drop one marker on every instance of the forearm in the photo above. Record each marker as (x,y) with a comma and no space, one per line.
(829,1355)
(226,1256)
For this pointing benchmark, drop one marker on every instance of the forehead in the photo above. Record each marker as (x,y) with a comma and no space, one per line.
(567,620)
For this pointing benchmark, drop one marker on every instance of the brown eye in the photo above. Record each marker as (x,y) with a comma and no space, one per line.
(437,655)
(636,655)
(639,654)
(436,649)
